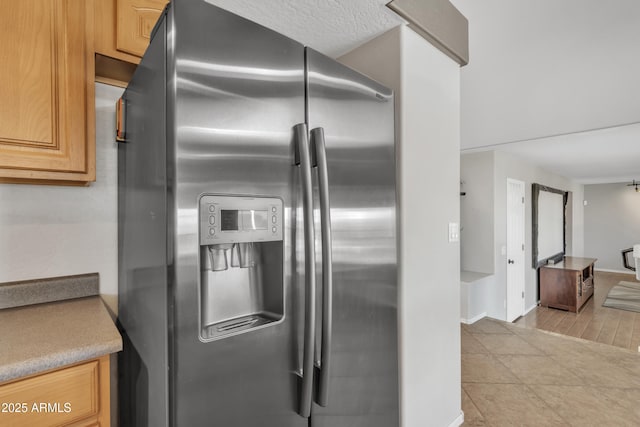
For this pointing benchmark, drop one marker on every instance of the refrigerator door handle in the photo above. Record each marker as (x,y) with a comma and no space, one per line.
(318,146)
(303,159)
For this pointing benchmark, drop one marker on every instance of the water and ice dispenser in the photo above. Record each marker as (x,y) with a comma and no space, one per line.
(241,261)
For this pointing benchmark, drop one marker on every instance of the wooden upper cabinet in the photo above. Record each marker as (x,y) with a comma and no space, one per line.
(136,19)
(47,112)
(123,27)
(123,31)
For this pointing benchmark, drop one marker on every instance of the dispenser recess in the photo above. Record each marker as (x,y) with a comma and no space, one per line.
(241,264)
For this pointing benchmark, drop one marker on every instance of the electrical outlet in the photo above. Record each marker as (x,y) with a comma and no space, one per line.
(454,232)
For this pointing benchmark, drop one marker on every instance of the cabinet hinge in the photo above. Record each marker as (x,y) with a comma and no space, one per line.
(523,246)
(522,294)
(523,200)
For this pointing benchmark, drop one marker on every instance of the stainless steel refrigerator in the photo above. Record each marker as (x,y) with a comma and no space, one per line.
(257,233)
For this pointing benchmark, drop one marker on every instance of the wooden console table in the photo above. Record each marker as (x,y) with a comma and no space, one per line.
(568,284)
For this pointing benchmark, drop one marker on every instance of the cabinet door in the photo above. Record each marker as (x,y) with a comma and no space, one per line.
(71,396)
(136,19)
(46,91)
(558,288)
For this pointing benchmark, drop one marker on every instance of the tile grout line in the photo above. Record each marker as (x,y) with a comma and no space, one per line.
(520,380)
(493,356)
(624,367)
(476,406)
(548,406)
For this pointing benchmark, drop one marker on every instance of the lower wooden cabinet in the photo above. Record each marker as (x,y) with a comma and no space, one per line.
(76,395)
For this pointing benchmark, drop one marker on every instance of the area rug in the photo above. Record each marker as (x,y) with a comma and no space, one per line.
(625,296)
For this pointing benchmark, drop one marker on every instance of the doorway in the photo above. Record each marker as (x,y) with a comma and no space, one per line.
(515,249)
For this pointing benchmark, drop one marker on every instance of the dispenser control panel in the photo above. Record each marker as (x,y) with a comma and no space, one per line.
(239,219)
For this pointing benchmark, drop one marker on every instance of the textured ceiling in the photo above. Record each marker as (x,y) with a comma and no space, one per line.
(332,27)
(543,68)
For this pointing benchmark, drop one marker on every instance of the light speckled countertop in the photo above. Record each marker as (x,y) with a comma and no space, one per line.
(36,338)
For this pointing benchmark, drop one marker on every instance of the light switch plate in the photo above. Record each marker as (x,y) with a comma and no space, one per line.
(454,232)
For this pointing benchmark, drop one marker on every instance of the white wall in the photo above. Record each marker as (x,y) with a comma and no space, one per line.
(611,223)
(473,295)
(49,231)
(476,212)
(427,88)
(510,166)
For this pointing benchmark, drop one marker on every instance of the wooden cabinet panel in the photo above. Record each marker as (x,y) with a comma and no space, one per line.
(136,19)
(123,27)
(558,289)
(106,34)
(123,30)
(25,111)
(47,109)
(71,396)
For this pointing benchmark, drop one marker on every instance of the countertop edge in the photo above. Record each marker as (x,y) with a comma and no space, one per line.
(59,360)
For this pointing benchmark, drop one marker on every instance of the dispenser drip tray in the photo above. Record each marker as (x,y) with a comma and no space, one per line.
(239,324)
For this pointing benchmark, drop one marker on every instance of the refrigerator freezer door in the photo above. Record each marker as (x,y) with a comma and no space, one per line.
(142,247)
(357,116)
(238,92)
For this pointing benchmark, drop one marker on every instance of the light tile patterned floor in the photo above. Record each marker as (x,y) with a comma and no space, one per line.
(517,376)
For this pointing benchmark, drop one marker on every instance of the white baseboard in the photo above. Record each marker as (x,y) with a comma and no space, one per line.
(458,421)
(606,270)
(473,319)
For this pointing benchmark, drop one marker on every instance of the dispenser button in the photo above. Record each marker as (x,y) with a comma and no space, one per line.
(212,231)
(274,219)
(212,219)
(273,209)
(212,208)
(274,229)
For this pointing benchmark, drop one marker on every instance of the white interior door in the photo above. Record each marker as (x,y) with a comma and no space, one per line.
(515,249)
